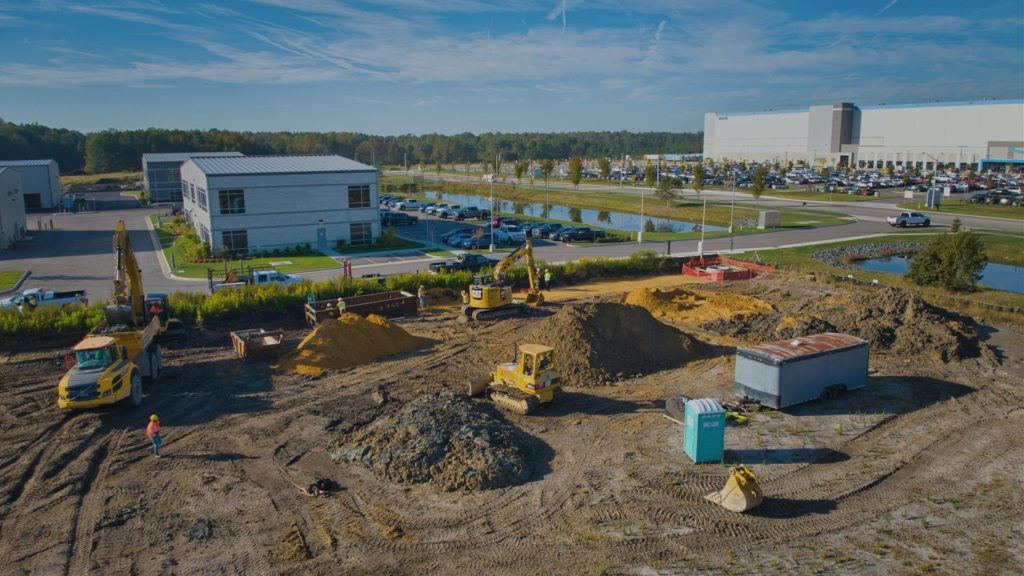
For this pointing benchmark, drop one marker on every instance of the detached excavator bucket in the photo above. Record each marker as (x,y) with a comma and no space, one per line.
(740,493)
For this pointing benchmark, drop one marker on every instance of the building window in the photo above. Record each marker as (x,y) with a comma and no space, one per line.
(232,202)
(184,189)
(360,233)
(204,233)
(202,199)
(359,196)
(192,192)
(235,240)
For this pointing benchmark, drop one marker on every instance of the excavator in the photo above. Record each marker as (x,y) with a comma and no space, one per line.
(523,385)
(490,298)
(110,362)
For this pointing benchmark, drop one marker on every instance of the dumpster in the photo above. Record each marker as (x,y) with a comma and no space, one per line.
(704,431)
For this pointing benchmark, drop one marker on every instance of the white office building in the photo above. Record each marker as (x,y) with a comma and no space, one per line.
(161,173)
(40,182)
(266,202)
(965,134)
(12,208)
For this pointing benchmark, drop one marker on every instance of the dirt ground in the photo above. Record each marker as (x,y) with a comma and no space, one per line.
(917,472)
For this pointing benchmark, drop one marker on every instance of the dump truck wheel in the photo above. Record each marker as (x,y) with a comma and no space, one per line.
(135,395)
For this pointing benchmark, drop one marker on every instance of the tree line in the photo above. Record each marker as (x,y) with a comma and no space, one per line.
(117,150)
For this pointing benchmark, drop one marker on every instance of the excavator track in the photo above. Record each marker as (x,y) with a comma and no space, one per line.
(484,314)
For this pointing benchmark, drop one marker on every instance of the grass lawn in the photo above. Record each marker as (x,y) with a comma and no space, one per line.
(400,244)
(796,194)
(87,179)
(8,278)
(999,247)
(303,263)
(960,206)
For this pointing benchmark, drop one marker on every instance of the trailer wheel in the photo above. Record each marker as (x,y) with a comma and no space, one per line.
(828,394)
(840,390)
(135,395)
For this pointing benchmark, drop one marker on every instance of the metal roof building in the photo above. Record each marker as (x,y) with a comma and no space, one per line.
(161,173)
(925,135)
(40,182)
(262,203)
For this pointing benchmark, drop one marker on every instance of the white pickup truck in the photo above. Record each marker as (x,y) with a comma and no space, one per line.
(905,219)
(34,297)
(259,278)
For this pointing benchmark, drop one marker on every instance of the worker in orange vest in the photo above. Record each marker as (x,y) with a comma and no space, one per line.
(153,431)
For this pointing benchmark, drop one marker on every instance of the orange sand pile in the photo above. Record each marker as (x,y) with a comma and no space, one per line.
(348,341)
(685,306)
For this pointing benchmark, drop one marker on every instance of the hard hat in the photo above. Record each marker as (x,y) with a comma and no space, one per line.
(153,418)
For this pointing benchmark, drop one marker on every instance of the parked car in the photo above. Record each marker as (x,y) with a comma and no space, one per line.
(450,233)
(407,204)
(508,234)
(34,298)
(548,230)
(389,218)
(583,234)
(259,278)
(449,212)
(471,262)
(475,243)
(436,208)
(426,206)
(472,213)
(979,198)
(904,219)
(561,232)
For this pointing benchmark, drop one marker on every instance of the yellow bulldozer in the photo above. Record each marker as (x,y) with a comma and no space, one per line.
(740,493)
(522,386)
(490,298)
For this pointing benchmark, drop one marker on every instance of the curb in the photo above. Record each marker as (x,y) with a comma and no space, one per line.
(17,285)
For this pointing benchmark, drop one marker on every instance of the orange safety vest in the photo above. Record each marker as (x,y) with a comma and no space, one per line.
(153,429)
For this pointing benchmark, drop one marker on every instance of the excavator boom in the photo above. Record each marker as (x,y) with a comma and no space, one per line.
(127,302)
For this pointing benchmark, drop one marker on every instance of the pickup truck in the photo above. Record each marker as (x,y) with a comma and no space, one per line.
(472,213)
(582,235)
(34,297)
(259,278)
(508,234)
(471,262)
(909,219)
(408,204)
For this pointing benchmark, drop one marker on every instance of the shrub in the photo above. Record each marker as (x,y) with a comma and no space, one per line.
(952,260)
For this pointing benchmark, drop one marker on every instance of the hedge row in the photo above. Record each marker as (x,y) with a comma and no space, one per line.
(277,302)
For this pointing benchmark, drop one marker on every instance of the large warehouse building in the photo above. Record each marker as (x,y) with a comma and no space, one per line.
(161,173)
(40,182)
(964,134)
(12,208)
(266,202)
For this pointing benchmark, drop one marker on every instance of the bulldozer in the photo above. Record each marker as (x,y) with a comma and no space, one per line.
(490,298)
(740,493)
(524,385)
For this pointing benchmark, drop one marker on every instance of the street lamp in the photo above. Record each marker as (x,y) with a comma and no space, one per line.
(732,212)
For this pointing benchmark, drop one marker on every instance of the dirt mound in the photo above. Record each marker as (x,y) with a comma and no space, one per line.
(444,439)
(681,305)
(893,320)
(600,343)
(348,341)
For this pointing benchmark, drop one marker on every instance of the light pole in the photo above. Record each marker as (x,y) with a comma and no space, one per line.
(640,232)
(732,212)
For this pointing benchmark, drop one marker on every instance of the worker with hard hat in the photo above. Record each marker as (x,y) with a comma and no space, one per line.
(153,431)
(422,295)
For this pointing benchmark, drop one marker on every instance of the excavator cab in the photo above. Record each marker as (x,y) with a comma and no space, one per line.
(523,385)
(491,298)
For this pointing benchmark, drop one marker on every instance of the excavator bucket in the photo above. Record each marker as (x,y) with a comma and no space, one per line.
(534,298)
(740,493)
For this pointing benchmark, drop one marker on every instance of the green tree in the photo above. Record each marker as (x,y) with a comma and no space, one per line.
(519,168)
(698,178)
(547,166)
(953,260)
(576,170)
(665,190)
(576,215)
(649,226)
(650,175)
(604,167)
(437,168)
(757,184)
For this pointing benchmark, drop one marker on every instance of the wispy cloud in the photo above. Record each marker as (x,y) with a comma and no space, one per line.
(886,7)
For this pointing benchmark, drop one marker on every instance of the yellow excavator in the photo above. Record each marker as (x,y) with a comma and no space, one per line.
(108,365)
(740,493)
(490,298)
(522,386)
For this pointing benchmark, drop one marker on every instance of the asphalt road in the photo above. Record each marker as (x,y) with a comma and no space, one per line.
(77,253)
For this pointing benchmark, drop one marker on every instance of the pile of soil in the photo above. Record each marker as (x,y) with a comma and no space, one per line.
(444,439)
(681,305)
(893,320)
(599,343)
(348,341)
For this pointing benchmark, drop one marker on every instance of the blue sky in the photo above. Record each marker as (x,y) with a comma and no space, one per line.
(417,66)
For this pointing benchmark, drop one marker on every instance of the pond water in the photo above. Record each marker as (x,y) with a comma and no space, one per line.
(998,276)
(585,216)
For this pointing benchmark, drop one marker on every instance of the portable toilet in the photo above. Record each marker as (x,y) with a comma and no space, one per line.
(704,430)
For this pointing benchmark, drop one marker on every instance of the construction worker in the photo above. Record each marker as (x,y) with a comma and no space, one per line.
(542,281)
(465,297)
(422,295)
(155,309)
(153,431)
(547,278)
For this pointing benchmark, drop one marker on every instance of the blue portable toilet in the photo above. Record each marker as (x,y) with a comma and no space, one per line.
(704,430)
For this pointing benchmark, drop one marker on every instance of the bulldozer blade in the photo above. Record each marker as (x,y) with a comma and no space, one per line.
(740,493)
(476,386)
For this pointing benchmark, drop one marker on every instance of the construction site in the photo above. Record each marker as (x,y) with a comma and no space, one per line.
(357,448)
